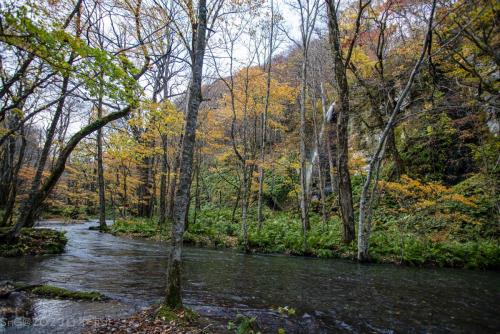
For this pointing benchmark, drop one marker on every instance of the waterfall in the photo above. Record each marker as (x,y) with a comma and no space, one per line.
(309,168)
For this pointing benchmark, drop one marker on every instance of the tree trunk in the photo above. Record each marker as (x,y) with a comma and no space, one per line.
(29,209)
(317,134)
(7,166)
(11,199)
(144,190)
(235,207)
(344,178)
(304,191)
(100,172)
(44,191)
(364,223)
(173,289)
(247,183)
(392,149)
(264,120)
(163,182)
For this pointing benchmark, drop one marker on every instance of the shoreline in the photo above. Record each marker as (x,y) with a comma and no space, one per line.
(348,257)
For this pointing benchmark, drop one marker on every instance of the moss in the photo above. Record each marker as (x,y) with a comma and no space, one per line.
(180,315)
(49,291)
(148,321)
(35,242)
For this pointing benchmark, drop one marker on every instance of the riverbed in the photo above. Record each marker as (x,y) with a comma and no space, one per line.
(329,296)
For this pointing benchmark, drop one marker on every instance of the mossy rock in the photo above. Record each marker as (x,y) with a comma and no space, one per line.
(35,242)
(181,315)
(49,291)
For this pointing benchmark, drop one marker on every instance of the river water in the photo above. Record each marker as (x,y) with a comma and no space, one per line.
(329,296)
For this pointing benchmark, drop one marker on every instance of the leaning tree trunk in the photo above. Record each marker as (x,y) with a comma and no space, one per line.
(364,223)
(29,209)
(173,295)
(344,178)
(41,195)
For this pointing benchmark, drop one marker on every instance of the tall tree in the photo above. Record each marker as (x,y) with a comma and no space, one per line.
(271,47)
(342,107)
(173,291)
(308,12)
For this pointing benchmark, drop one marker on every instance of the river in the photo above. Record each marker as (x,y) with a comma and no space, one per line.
(330,296)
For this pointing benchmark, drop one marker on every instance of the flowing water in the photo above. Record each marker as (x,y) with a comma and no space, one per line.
(330,296)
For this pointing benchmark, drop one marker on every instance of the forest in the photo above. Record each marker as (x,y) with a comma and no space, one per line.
(359,131)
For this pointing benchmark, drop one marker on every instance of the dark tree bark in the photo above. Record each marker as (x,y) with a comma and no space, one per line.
(11,199)
(173,291)
(100,173)
(144,191)
(304,193)
(144,168)
(344,178)
(7,164)
(163,182)
(236,204)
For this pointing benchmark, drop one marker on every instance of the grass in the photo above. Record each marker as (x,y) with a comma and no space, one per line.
(139,227)
(415,223)
(35,242)
(49,291)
